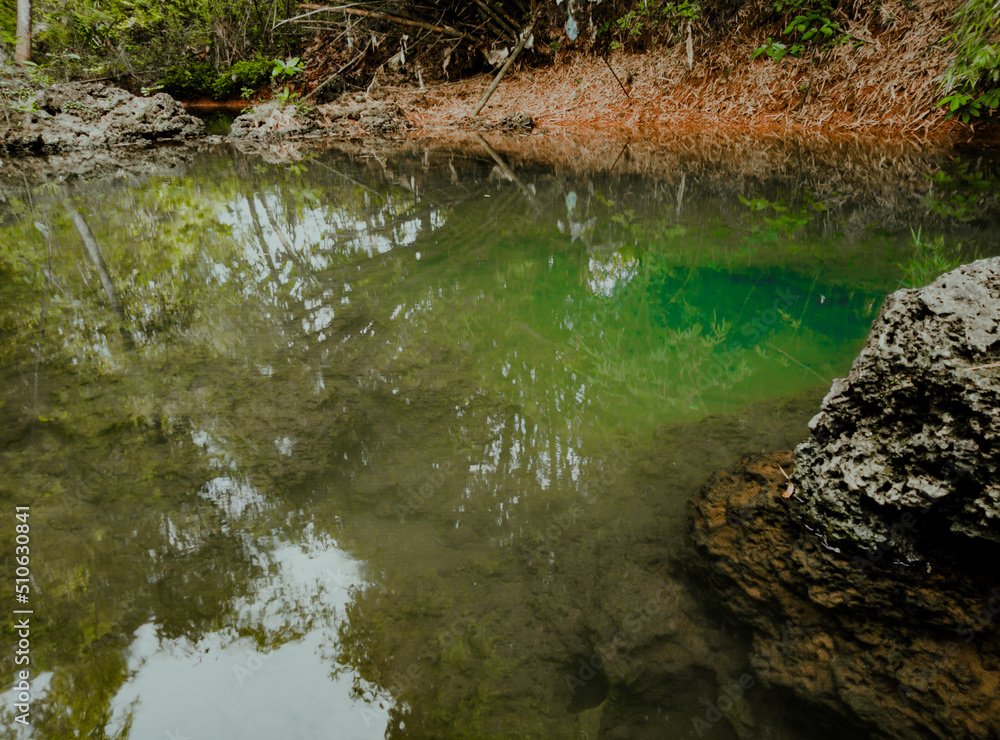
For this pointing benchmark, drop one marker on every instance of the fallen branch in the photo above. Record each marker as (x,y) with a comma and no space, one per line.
(296,19)
(504,26)
(506,67)
(615,76)
(804,367)
(443,30)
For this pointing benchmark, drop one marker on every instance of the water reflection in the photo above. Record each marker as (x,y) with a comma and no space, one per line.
(266,674)
(343,447)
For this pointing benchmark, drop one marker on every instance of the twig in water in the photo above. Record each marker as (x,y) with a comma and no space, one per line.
(804,367)
(791,486)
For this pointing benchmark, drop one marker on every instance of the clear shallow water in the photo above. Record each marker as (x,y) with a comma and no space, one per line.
(369,444)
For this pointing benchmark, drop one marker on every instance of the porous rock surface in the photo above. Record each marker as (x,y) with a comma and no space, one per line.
(908,444)
(868,581)
(895,651)
(77,115)
(272,120)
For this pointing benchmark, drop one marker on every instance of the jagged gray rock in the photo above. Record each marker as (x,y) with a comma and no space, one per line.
(906,449)
(272,120)
(516,122)
(77,115)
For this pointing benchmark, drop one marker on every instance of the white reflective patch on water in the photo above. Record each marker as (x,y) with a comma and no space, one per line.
(234,497)
(9,699)
(226,686)
(609,274)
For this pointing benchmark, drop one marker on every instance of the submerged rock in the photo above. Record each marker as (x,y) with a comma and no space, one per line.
(77,115)
(912,435)
(903,652)
(869,585)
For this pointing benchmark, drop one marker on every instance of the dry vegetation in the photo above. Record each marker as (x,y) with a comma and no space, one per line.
(889,84)
(887,80)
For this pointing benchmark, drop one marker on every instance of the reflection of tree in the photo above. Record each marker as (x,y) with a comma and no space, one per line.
(435,380)
(93,250)
(108,464)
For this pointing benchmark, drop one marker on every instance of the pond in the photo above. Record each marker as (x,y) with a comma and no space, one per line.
(362,442)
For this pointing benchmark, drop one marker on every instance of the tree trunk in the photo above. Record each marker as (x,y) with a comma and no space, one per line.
(22,50)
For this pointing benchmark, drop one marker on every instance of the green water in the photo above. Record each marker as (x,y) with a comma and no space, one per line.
(362,445)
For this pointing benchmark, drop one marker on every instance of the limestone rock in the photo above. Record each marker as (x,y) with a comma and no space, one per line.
(78,115)
(274,121)
(905,452)
(892,651)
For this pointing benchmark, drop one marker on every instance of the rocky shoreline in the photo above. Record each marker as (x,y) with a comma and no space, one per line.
(77,115)
(885,614)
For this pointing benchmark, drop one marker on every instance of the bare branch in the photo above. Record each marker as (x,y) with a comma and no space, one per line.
(443,30)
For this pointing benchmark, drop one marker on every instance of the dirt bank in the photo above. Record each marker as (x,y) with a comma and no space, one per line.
(887,81)
(761,96)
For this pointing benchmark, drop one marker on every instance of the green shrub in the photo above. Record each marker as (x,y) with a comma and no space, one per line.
(250,74)
(150,41)
(651,21)
(190,80)
(973,78)
(810,25)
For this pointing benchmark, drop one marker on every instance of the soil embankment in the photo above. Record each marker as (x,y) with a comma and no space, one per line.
(886,80)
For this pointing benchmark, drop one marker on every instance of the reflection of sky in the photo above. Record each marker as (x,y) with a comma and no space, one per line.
(39,687)
(608,274)
(225,686)
(320,230)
